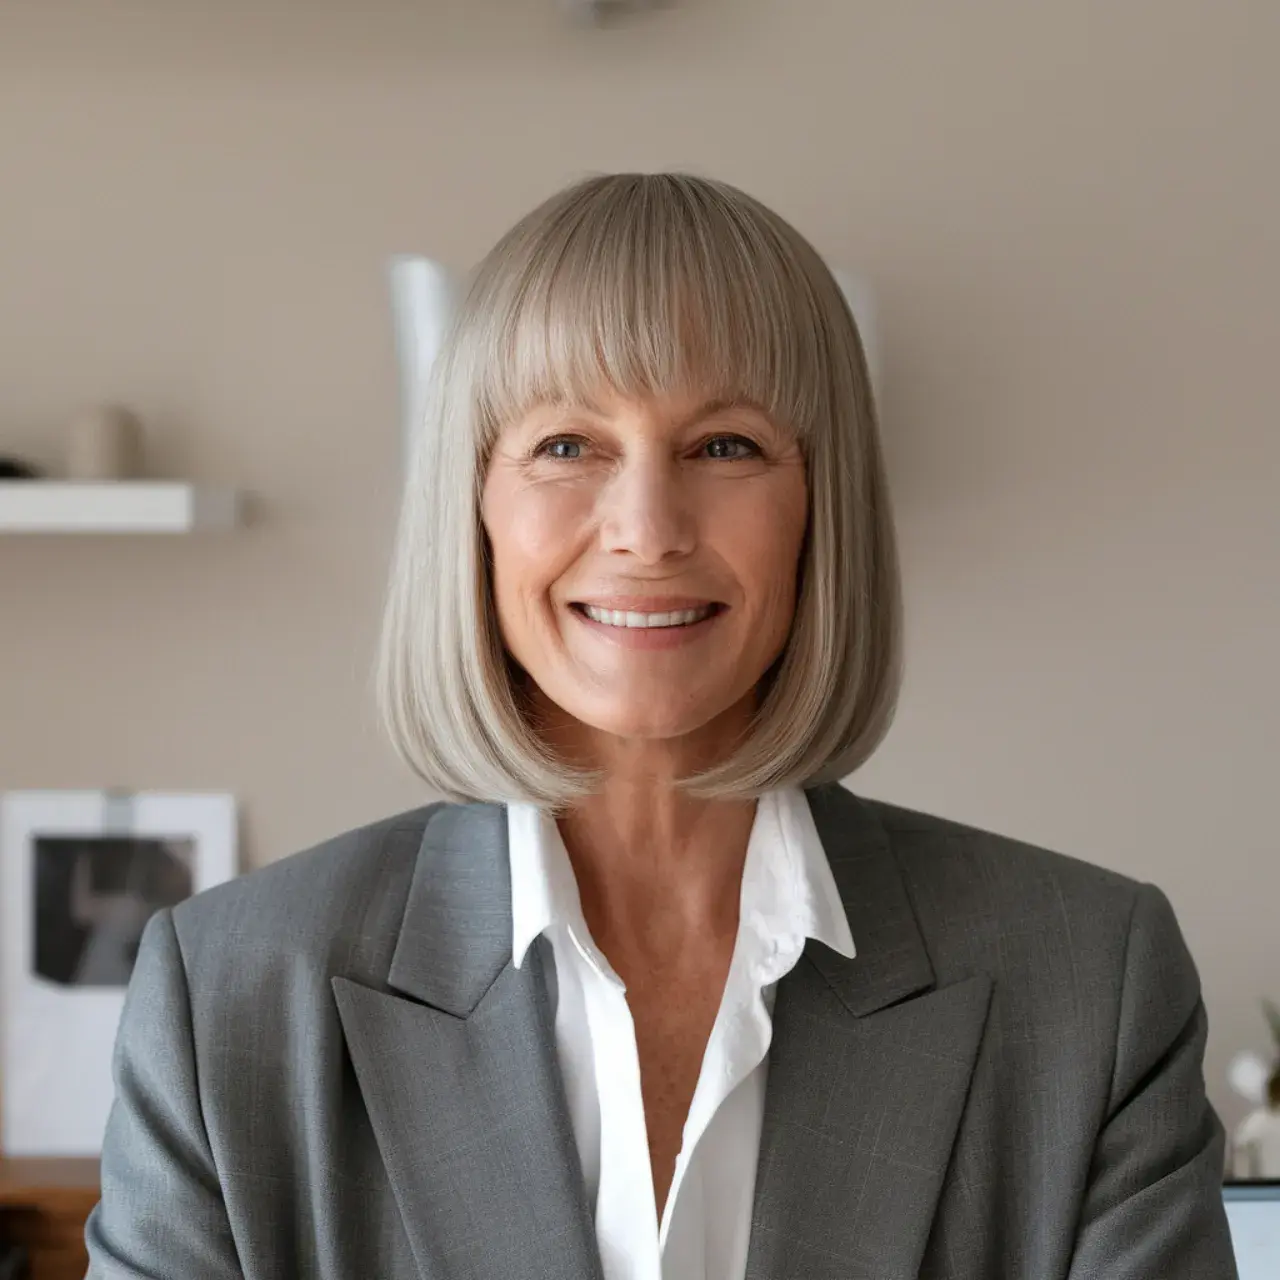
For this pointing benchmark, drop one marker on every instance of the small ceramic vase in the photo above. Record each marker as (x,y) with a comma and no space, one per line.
(104,442)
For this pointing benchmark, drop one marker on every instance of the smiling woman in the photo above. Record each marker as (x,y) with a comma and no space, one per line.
(650,997)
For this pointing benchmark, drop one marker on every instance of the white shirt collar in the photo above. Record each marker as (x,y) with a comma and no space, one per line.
(544,889)
(788,891)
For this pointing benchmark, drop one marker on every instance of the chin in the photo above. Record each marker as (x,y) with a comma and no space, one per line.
(646,712)
(650,718)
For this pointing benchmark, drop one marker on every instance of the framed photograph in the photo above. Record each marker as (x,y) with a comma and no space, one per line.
(81,873)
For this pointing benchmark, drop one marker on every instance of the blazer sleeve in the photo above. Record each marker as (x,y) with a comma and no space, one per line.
(161,1214)
(1153,1209)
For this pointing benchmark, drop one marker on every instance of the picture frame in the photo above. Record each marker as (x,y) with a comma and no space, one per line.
(81,872)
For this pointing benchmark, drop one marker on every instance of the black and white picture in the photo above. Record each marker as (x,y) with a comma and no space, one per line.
(81,874)
(92,897)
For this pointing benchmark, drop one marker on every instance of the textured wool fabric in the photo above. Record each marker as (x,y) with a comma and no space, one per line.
(330,1068)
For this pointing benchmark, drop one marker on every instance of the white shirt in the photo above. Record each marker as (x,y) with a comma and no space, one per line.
(788,895)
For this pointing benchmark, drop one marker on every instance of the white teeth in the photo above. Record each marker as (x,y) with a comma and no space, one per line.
(625,618)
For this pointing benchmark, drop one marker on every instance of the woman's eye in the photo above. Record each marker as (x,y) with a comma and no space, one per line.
(560,449)
(731,447)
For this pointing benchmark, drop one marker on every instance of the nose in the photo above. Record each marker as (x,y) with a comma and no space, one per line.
(646,509)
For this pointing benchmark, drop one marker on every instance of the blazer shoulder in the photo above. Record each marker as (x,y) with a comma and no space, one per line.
(322,899)
(995,901)
(1091,968)
(922,839)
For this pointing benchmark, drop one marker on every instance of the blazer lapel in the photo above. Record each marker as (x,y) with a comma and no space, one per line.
(868,1074)
(457,1067)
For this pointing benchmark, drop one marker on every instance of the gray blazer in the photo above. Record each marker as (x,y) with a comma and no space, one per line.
(331,1069)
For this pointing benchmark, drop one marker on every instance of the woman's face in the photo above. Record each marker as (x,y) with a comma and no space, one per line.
(645,557)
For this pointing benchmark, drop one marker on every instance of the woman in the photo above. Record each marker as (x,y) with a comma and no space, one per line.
(644,612)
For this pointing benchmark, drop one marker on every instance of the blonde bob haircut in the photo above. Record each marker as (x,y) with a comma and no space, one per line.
(645,284)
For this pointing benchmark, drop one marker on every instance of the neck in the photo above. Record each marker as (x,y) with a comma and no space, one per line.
(659,871)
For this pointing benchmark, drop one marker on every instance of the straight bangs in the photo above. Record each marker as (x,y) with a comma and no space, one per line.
(643,287)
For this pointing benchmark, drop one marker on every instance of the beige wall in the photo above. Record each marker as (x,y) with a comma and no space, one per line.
(1070,211)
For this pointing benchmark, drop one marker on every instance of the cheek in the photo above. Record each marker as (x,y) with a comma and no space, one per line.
(532,531)
(777,574)
(762,537)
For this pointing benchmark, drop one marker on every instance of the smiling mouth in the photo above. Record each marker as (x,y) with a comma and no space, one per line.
(639,621)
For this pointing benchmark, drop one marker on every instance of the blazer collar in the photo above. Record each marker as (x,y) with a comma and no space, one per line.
(455,938)
(892,961)
(456,935)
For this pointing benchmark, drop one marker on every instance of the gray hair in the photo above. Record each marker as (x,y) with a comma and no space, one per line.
(647,284)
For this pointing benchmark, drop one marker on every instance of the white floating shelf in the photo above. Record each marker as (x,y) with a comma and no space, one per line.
(122,506)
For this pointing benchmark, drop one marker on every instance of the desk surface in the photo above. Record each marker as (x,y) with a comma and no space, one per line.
(43,1206)
(39,1182)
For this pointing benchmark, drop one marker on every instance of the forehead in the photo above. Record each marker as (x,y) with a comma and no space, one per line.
(671,409)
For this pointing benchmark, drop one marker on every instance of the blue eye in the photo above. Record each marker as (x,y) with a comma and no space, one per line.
(560,448)
(731,448)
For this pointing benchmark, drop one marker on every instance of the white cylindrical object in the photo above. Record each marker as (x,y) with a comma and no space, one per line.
(104,442)
(422,300)
(862,302)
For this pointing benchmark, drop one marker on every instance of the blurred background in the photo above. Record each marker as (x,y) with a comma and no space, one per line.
(1069,213)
